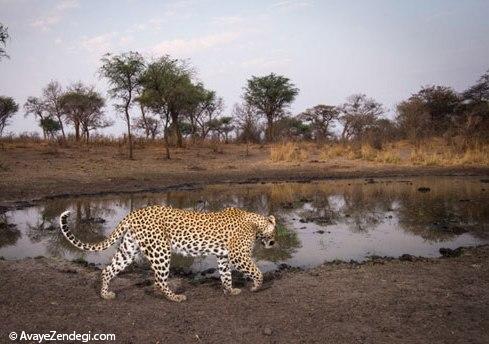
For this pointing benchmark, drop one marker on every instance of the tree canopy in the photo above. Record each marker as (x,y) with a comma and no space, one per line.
(83,108)
(123,73)
(321,118)
(358,114)
(3,40)
(271,95)
(8,107)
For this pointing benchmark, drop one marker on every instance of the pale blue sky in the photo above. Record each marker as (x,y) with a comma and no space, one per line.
(329,49)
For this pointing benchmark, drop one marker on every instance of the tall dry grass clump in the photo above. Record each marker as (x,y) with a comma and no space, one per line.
(430,155)
(478,155)
(364,152)
(335,151)
(289,152)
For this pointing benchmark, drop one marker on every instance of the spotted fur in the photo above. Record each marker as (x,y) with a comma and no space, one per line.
(157,231)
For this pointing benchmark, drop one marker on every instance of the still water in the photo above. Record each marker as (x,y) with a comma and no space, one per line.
(317,222)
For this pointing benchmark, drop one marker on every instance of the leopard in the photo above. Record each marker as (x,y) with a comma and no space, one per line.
(157,231)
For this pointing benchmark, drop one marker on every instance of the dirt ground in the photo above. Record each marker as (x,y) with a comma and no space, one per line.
(423,301)
(30,171)
(385,301)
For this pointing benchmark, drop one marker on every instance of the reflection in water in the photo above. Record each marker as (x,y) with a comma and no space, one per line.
(318,221)
(9,234)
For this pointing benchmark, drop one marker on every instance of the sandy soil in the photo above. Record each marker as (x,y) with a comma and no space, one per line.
(35,171)
(422,301)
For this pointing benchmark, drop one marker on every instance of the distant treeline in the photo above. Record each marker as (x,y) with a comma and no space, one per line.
(162,98)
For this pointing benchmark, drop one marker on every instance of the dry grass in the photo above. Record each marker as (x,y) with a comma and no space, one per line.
(363,152)
(335,151)
(429,155)
(289,152)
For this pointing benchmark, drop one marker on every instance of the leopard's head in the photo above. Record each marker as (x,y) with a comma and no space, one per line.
(266,230)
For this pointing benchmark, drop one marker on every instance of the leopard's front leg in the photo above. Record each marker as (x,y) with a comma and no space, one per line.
(225,273)
(240,256)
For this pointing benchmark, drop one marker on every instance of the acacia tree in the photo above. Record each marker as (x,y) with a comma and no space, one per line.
(3,40)
(146,123)
(270,95)
(432,111)
(50,126)
(440,103)
(221,126)
(52,95)
(8,107)
(474,110)
(92,116)
(292,128)
(83,108)
(321,118)
(123,73)
(167,90)
(413,119)
(72,104)
(36,107)
(203,107)
(480,91)
(358,114)
(210,107)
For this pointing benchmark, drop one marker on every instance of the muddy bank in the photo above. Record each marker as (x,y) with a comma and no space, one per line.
(22,194)
(382,301)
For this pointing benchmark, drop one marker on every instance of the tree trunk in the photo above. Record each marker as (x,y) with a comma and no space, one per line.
(176,128)
(167,148)
(165,136)
(77,130)
(62,128)
(129,136)
(343,133)
(270,128)
(143,114)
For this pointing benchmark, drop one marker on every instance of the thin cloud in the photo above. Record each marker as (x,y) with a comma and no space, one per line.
(152,24)
(187,46)
(55,15)
(104,43)
(100,44)
(227,20)
(292,4)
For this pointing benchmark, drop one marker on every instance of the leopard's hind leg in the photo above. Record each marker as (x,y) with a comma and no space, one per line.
(127,251)
(158,253)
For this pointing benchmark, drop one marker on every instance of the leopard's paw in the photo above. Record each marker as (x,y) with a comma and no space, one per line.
(109,295)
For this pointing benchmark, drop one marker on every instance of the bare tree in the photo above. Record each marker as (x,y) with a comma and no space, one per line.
(212,107)
(148,124)
(52,95)
(358,114)
(247,123)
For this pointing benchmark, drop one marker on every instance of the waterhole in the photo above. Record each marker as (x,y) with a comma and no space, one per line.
(317,221)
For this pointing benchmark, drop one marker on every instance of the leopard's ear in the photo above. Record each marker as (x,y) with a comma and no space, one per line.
(271,218)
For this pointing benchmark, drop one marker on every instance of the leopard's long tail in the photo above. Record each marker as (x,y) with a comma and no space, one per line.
(100,246)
